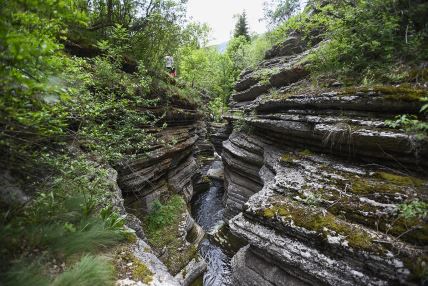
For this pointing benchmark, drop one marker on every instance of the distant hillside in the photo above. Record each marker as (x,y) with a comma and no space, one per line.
(221,47)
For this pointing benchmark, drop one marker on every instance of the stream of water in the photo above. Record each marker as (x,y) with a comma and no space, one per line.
(207,210)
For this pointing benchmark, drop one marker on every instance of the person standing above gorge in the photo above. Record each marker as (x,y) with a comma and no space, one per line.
(169,60)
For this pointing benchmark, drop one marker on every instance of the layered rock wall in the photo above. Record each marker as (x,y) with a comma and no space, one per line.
(315,179)
(177,164)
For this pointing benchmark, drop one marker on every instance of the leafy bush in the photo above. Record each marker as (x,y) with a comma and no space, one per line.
(164,214)
(217,109)
(356,46)
(277,11)
(411,123)
(414,209)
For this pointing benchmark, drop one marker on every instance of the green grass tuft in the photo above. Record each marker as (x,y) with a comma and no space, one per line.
(24,273)
(90,271)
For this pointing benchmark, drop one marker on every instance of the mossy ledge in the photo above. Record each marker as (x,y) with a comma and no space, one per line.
(405,93)
(323,223)
(127,262)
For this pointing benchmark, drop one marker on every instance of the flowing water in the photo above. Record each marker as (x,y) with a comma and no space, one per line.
(207,210)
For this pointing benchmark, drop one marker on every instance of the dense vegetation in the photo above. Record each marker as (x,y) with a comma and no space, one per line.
(77,81)
(65,119)
(347,43)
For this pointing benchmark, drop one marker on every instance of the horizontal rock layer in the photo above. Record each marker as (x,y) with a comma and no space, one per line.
(315,179)
(177,164)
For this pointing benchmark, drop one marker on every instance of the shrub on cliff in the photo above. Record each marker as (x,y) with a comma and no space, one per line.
(368,41)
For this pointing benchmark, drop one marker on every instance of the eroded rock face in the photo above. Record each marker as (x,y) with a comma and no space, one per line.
(315,180)
(156,272)
(11,193)
(219,132)
(178,163)
(170,165)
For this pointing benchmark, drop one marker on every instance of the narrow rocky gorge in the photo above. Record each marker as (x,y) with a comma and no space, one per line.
(134,152)
(313,181)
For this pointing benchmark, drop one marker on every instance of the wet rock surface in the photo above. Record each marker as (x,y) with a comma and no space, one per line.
(207,209)
(315,180)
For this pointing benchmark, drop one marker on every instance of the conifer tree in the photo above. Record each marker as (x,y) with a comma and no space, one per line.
(241,28)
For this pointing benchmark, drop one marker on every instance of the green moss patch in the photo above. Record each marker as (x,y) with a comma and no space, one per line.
(305,153)
(288,158)
(126,262)
(400,180)
(366,187)
(142,273)
(323,224)
(397,93)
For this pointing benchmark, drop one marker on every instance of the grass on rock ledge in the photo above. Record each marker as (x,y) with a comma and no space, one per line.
(163,233)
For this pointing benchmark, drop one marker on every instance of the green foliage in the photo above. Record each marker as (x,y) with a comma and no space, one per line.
(164,214)
(357,47)
(411,123)
(89,271)
(63,216)
(24,274)
(162,227)
(63,219)
(154,26)
(195,35)
(217,109)
(28,84)
(112,220)
(105,107)
(247,54)
(208,70)
(241,28)
(237,51)
(278,11)
(215,72)
(242,125)
(413,209)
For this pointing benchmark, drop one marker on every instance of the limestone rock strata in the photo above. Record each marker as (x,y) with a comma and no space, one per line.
(174,165)
(170,167)
(328,222)
(242,159)
(219,132)
(203,152)
(157,272)
(316,180)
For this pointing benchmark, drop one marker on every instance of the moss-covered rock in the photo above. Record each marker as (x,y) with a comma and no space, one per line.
(323,223)
(141,272)
(405,93)
(399,179)
(163,231)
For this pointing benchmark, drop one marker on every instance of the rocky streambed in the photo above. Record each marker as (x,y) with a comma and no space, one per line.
(207,209)
(186,165)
